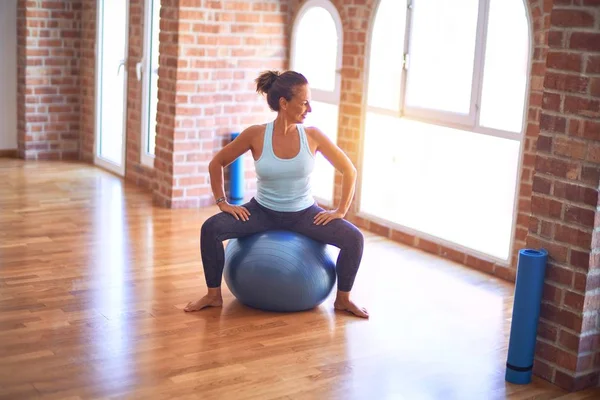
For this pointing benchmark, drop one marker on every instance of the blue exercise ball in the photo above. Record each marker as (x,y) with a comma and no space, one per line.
(279,271)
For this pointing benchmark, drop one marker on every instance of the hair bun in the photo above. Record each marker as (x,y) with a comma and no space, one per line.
(265,80)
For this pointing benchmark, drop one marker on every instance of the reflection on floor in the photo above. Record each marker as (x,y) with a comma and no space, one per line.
(93,280)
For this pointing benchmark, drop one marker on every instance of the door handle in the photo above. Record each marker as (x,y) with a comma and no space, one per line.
(121,64)
(138,70)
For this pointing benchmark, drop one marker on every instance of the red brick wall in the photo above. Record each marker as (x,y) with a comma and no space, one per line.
(87,80)
(167,87)
(48,79)
(539,15)
(210,54)
(565,197)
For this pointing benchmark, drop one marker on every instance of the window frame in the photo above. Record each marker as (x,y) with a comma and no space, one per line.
(144,74)
(475,128)
(325,96)
(367,65)
(427,114)
(468,122)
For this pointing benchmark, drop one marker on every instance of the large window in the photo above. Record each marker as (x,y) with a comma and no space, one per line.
(387,57)
(147,71)
(316,53)
(445,119)
(441,55)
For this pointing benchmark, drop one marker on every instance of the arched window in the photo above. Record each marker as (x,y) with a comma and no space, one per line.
(446,95)
(316,53)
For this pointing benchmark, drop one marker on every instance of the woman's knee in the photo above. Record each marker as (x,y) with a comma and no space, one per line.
(212,227)
(354,238)
(360,238)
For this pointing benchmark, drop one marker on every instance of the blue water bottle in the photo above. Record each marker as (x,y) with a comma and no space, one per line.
(236,178)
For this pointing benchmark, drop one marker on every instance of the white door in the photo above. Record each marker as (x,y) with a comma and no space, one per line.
(147,72)
(111,84)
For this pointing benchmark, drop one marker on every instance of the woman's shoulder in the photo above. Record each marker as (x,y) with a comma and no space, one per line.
(313,132)
(254,130)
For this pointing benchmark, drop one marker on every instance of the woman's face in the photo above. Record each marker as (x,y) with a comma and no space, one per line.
(299,106)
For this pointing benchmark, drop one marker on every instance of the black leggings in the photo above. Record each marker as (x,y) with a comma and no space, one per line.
(339,233)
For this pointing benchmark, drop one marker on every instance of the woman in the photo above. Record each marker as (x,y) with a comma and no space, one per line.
(284,153)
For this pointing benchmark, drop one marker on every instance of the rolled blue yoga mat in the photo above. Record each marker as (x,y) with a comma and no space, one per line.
(529,285)
(236,178)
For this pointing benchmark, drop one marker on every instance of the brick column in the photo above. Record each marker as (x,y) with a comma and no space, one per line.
(539,14)
(211,52)
(87,80)
(564,204)
(167,88)
(355,18)
(48,92)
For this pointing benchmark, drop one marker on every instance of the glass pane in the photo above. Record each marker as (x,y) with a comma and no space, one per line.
(442,52)
(112,70)
(153,89)
(325,117)
(452,184)
(386,55)
(505,69)
(315,50)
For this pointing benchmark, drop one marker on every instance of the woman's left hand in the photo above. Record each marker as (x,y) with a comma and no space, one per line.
(324,217)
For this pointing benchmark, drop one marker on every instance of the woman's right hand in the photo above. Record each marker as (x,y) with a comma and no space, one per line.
(239,212)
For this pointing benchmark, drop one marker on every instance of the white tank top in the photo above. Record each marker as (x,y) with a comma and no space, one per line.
(284,184)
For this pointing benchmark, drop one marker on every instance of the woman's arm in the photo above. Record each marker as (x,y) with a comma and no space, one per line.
(341,162)
(223,158)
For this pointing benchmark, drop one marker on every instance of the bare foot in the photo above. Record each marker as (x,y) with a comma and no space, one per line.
(348,305)
(206,301)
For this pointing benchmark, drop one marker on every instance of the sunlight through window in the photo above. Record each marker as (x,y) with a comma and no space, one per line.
(387,55)
(442,49)
(429,173)
(316,49)
(505,72)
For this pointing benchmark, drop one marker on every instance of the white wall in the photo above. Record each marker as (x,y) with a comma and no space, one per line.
(8,74)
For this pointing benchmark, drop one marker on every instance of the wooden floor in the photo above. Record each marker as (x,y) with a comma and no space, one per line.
(93,280)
